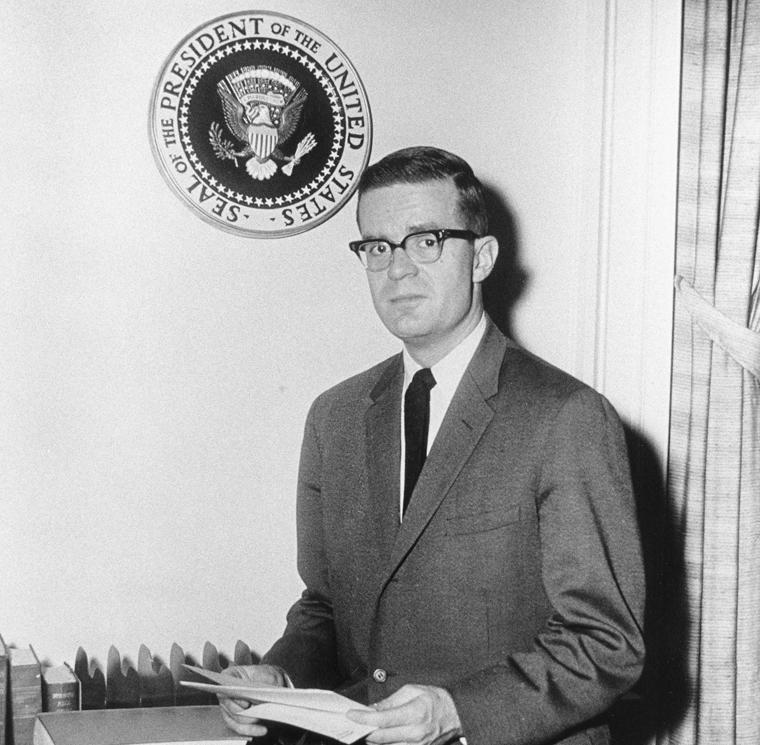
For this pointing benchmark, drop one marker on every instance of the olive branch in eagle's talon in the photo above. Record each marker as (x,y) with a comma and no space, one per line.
(223,149)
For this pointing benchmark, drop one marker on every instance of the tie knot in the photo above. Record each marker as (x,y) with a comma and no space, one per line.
(423,380)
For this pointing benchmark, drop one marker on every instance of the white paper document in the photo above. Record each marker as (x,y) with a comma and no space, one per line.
(313,709)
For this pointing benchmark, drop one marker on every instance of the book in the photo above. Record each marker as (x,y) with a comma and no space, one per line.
(3,689)
(313,709)
(25,694)
(92,681)
(180,725)
(61,690)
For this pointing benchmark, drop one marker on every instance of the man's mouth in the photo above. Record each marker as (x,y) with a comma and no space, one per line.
(406,299)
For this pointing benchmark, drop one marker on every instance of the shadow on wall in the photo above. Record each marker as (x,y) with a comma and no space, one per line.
(508,280)
(659,701)
(660,698)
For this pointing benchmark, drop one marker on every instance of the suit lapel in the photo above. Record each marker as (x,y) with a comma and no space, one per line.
(466,419)
(383,453)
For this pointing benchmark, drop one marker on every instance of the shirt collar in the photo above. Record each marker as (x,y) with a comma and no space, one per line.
(449,370)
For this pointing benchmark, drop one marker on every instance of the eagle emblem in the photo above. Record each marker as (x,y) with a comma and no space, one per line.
(262,108)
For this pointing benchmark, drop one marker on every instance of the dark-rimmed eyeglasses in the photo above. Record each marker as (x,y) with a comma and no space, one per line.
(422,248)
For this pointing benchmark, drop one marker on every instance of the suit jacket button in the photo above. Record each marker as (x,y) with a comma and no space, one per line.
(380,675)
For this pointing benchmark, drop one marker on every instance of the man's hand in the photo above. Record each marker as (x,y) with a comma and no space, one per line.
(423,715)
(261,675)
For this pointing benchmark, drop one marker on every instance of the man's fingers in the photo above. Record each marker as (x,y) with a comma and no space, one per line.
(233,705)
(407,734)
(385,714)
(413,715)
(246,727)
(359,716)
(401,698)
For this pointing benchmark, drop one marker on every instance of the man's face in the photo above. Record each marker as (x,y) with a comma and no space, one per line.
(424,305)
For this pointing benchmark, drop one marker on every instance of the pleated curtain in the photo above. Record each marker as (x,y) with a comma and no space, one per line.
(711,652)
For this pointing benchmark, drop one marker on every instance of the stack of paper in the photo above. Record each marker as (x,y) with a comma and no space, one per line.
(309,708)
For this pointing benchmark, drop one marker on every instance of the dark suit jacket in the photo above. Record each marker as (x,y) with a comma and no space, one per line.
(515,580)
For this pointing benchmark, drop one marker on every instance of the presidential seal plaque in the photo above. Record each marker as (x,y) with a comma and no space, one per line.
(260,124)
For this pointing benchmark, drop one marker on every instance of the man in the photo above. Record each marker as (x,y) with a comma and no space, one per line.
(497,594)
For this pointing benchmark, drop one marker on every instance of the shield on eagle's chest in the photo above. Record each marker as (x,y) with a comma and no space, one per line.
(263,139)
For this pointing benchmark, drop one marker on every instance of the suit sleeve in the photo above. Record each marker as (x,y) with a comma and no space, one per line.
(307,649)
(590,650)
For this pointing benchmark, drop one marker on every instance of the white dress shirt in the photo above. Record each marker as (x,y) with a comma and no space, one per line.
(448,373)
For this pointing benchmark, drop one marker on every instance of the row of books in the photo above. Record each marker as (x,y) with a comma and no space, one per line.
(28,688)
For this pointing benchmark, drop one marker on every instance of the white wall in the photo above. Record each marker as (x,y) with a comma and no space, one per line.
(155,371)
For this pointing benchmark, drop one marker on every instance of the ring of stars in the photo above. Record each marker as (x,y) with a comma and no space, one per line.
(320,76)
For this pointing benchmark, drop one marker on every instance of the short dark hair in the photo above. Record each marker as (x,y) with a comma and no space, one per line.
(416,165)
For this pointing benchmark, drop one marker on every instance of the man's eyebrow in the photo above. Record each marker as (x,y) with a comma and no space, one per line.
(409,230)
(421,227)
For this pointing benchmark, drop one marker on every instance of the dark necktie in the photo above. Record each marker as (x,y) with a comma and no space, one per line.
(416,421)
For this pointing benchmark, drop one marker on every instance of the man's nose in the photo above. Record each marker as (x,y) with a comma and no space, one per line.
(401,265)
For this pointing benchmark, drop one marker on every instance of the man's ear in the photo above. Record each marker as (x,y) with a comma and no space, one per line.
(484,258)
